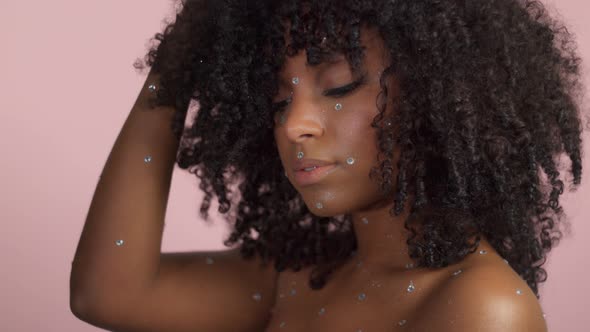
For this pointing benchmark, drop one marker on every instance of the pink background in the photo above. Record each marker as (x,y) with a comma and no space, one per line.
(67,86)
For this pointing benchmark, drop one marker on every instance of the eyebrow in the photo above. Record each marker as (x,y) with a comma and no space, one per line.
(329,58)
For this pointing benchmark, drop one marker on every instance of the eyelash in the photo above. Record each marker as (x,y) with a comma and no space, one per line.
(337,92)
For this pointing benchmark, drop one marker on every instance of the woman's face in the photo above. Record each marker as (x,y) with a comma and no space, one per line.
(332,129)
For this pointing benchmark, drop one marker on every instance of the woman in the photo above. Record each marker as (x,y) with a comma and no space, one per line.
(386,155)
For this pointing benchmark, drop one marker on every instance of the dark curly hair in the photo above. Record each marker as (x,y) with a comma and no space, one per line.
(490,93)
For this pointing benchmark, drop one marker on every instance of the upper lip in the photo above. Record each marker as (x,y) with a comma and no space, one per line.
(305,163)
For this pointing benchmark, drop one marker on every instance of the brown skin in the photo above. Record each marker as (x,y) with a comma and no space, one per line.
(313,126)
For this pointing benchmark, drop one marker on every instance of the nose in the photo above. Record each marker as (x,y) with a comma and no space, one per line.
(303,120)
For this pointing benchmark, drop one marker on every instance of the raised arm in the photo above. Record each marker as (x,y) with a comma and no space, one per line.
(121,281)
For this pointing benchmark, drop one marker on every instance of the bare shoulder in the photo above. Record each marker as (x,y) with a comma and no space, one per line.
(486,295)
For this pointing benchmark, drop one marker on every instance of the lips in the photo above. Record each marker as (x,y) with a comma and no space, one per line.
(311,171)
(307,163)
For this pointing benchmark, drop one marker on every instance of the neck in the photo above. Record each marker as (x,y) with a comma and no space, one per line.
(381,238)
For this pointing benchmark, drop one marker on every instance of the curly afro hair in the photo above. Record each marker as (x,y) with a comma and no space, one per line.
(490,96)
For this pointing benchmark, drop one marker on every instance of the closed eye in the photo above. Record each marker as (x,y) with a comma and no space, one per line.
(337,92)
(343,91)
(280,105)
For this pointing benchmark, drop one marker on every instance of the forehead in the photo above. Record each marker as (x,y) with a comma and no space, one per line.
(375,54)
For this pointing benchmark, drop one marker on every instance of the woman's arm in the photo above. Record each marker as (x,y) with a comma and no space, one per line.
(129,285)
(129,204)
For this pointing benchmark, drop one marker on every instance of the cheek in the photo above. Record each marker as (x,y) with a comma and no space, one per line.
(353,126)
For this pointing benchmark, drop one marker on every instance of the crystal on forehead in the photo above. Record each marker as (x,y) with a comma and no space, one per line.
(119,242)
(147,159)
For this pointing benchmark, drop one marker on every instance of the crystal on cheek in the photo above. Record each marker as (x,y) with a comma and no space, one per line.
(319,205)
(295,80)
(411,287)
(338,107)
(119,242)
(152,88)
(350,160)
(299,155)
